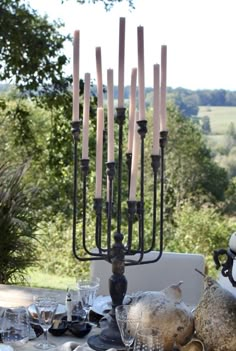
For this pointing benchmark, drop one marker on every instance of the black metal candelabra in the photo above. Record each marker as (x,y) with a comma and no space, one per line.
(225,258)
(116,252)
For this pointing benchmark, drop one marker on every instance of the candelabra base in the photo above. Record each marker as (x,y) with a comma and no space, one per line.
(108,338)
(98,343)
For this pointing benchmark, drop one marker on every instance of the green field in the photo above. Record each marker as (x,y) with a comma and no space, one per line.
(220,118)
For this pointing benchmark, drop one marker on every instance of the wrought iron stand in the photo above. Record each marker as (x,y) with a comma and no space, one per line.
(115,251)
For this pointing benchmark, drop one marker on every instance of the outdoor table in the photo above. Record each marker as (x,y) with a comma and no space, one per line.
(60,341)
(13,296)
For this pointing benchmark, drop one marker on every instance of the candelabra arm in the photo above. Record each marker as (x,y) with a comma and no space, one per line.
(128,163)
(98,212)
(76,125)
(227,266)
(163,141)
(110,175)
(120,119)
(156,163)
(140,215)
(155,167)
(75,133)
(131,216)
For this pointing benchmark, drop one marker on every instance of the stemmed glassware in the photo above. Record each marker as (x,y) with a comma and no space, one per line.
(148,339)
(87,293)
(45,307)
(15,326)
(128,323)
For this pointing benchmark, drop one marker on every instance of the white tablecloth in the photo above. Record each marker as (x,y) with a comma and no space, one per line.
(12,295)
(62,342)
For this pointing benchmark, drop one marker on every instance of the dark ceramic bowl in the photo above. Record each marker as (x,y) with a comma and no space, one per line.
(79,329)
(76,327)
(58,329)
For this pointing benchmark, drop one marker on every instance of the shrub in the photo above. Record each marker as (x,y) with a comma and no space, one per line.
(17,225)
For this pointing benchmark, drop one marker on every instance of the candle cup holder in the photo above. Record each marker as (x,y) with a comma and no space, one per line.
(75,129)
(117,252)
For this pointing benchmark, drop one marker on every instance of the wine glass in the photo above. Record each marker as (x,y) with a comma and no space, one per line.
(128,323)
(15,326)
(87,293)
(148,339)
(45,307)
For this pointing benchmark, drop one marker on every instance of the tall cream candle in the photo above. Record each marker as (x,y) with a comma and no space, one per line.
(134,164)
(99,77)
(110,116)
(163,86)
(156,109)
(76,49)
(86,115)
(121,64)
(141,83)
(99,152)
(132,106)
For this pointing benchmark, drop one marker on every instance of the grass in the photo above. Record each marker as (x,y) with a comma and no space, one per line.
(39,279)
(220,117)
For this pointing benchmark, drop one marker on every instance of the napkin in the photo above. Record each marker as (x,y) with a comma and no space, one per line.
(74,346)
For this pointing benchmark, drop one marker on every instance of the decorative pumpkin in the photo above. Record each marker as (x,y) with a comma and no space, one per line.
(166,311)
(215,318)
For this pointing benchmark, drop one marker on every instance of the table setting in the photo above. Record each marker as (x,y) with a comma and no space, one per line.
(145,320)
(42,323)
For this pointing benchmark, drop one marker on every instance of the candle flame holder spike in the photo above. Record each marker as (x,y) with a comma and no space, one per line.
(115,251)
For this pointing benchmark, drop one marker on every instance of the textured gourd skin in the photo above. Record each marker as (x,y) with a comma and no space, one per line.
(215,318)
(166,311)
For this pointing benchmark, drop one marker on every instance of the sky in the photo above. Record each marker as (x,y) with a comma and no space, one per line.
(199,34)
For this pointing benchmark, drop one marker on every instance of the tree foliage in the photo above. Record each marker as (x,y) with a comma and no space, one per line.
(200,230)
(191,171)
(31,48)
(18,223)
(108,4)
(31,52)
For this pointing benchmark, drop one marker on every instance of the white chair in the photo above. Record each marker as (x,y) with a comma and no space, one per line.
(170,269)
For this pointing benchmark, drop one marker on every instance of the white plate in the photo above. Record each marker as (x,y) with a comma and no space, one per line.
(102,304)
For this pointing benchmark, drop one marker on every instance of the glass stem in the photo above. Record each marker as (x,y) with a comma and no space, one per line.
(45,333)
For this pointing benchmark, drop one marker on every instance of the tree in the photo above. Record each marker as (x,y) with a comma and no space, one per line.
(30,48)
(201,231)
(186,101)
(108,4)
(206,125)
(191,172)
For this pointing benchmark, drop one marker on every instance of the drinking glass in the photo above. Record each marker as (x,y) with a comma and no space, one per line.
(87,294)
(128,323)
(45,307)
(148,339)
(15,326)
